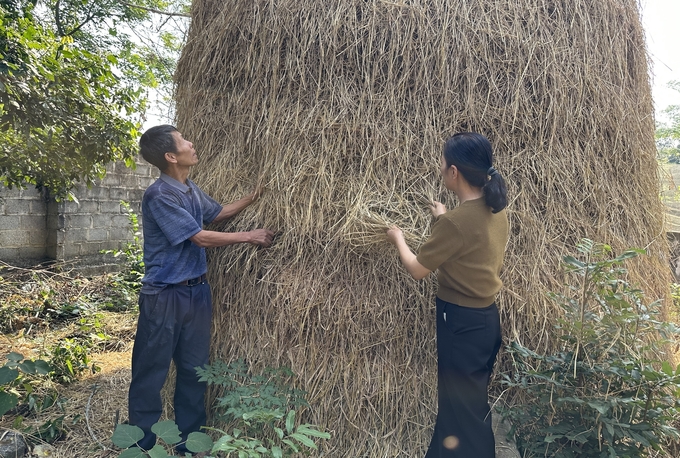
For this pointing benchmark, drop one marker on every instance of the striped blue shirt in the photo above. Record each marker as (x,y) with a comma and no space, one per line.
(171,213)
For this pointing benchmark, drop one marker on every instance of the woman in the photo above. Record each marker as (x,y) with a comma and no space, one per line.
(467,247)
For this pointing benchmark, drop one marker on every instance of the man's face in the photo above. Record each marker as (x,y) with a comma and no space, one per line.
(185,154)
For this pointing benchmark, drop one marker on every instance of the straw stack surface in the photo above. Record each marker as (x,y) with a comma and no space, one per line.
(341,108)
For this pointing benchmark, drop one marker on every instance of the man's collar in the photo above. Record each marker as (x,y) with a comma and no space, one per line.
(174,183)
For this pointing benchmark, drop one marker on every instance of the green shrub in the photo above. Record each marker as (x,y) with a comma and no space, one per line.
(128,281)
(261,411)
(606,392)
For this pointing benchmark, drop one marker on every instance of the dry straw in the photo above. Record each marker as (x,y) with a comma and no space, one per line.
(341,108)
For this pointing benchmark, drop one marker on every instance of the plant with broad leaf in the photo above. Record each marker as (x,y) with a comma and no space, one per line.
(259,408)
(16,380)
(127,436)
(607,391)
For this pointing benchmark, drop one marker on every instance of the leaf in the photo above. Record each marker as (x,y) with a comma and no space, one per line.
(158,452)
(309,430)
(8,401)
(127,435)
(133,453)
(16,357)
(27,367)
(42,367)
(167,431)
(290,422)
(198,442)
(8,375)
(667,368)
(304,440)
(277,452)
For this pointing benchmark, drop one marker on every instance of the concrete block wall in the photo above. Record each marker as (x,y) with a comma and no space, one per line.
(33,228)
(23,232)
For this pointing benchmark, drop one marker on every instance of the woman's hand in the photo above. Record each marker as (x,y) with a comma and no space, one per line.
(437,208)
(394,235)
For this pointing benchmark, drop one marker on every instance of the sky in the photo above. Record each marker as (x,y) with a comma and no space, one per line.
(661,20)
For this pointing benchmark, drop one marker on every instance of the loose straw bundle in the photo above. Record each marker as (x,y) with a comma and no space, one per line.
(341,107)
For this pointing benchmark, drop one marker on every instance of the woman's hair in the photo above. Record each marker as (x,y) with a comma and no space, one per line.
(472,155)
(157,141)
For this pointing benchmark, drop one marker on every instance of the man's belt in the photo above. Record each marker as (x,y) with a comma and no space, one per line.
(194,281)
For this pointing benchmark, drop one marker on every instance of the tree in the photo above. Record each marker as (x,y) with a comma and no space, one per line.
(72,88)
(668,134)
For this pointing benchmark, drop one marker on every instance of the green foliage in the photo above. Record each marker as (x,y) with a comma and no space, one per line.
(167,432)
(71,82)
(668,134)
(246,394)
(18,378)
(261,410)
(129,280)
(69,359)
(604,392)
(62,107)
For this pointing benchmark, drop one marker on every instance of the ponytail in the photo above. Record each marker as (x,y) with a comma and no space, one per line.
(495,191)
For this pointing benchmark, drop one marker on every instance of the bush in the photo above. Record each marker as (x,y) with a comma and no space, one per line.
(606,392)
(259,407)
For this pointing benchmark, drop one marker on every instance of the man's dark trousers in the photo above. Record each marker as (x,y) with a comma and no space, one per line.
(173,325)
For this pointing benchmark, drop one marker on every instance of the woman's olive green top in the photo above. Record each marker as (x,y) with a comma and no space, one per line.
(467,246)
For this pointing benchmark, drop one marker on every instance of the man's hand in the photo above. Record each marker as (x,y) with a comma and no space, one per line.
(437,208)
(261,237)
(394,235)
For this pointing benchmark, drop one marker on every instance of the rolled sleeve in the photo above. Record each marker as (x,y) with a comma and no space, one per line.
(446,240)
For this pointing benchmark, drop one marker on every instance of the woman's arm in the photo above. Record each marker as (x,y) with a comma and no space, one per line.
(408,259)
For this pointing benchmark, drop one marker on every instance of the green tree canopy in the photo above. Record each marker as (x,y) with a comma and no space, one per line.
(668,134)
(72,88)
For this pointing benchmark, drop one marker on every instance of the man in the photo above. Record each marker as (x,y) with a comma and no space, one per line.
(175,307)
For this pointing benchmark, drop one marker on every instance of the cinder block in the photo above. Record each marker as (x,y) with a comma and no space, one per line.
(33,223)
(97,192)
(102,220)
(10,222)
(69,207)
(72,235)
(38,238)
(111,180)
(32,252)
(14,239)
(120,221)
(118,194)
(97,235)
(17,206)
(109,207)
(31,192)
(38,207)
(89,206)
(69,250)
(9,255)
(78,221)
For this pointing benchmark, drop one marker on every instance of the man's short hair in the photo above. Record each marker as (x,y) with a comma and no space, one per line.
(157,141)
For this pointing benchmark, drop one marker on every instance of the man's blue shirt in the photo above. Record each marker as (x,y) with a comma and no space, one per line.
(171,213)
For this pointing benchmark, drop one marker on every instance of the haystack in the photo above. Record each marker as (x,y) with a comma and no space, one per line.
(341,107)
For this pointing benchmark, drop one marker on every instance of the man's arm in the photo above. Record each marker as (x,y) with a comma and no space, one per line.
(233,208)
(207,239)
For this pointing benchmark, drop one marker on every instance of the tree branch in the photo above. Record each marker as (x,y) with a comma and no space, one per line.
(153,10)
